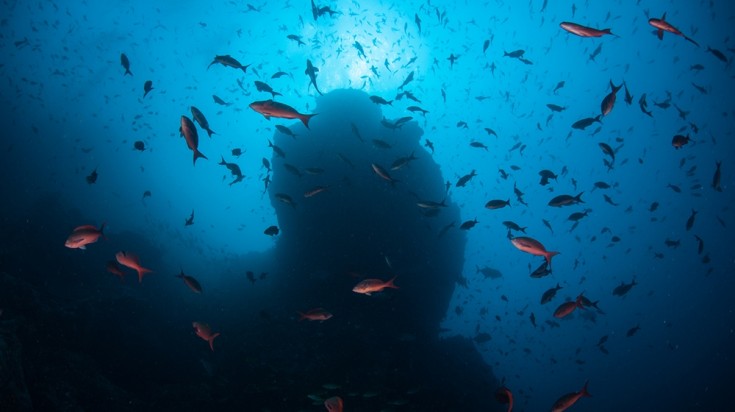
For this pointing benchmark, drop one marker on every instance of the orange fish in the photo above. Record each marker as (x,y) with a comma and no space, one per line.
(84,235)
(583,31)
(205,332)
(315,314)
(568,307)
(192,283)
(334,404)
(269,108)
(569,399)
(369,286)
(130,260)
(534,247)
(504,395)
(662,25)
(191,136)
(115,269)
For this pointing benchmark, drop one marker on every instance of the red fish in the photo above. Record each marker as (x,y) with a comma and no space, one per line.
(84,235)
(568,307)
(269,108)
(609,101)
(205,332)
(584,31)
(369,286)
(115,269)
(334,404)
(504,395)
(191,136)
(315,314)
(130,260)
(679,141)
(662,25)
(566,401)
(533,246)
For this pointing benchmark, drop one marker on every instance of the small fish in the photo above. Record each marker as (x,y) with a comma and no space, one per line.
(263,87)
(716,178)
(125,64)
(466,178)
(380,171)
(678,141)
(205,332)
(189,132)
(139,145)
(115,269)
(566,200)
(315,191)
(609,101)
(92,177)
(662,25)
(584,31)
(632,331)
(380,100)
(311,71)
(369,286)
(229,61)
(192,283)
(690,221)
(334,404)
(271,230)
(717,54)
(147,87)
(585,123)
(315,314)
(497,204)
(199,118)
(83,235)
(549,294)
(623,288)
(190,220)
(219,101)
(132,261)
(566,401)
(567,308)
(534,247)
(269,108)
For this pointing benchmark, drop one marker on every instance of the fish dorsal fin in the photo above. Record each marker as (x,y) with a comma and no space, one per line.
(663,18)
(84,227)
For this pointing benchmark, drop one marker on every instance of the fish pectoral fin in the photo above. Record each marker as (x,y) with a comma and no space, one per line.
(660,34)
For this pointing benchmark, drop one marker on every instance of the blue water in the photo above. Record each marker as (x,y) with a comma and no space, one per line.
(68,109)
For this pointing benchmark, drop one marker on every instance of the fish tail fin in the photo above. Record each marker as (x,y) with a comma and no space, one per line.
(578,198)
(197,155)
(127,72)
(222,162)
(660,34)
(305,119)
(210,132)
(102,230)
(142,271)
(211,341)
(244,70)
(584,391)
(550,255)
(276,94)
(390,283)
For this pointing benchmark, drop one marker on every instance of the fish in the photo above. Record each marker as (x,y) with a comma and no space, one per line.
(296,38)
(623,288)
(334,404)
(132,261)
(644,105)
(190,220)
(549,294)
(466,178)
(263,87)
(271,230)
(555,108)
(568,307)
(566,200)
(504,395)
(566,401)
(690,221)
(269,108)
(219,100)
(402,161)
(541,271)
(115,269)
(369,286)
(285,130)
(488,272)
(717,54)
(497,204)
(717,177)
(632,331)
(192,283)
(199,118)
(380,100)
(514,54)
(468,224)
(628,96)
(205,332)
(607,150)
(84,235)
(282,197)
(609,101)
(147,87)
(139,145)
(662,25)
(585,123)
(191,136)
(92,177)
(584,31)
(125,64)
(380,171)
(678,141)
(311,71)
(533,246)
(319,314)
(229,61)
(315,191)
(408,80)
(514,226)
